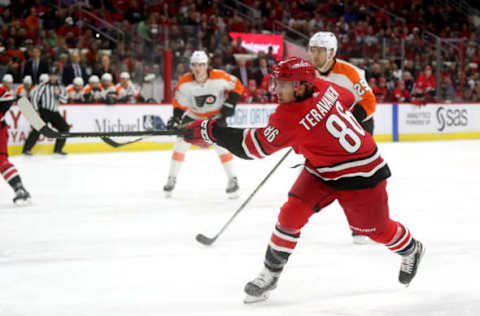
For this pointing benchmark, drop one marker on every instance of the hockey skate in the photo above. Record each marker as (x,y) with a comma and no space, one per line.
(168,188)
(22,196)
(232,188)
(410,262)
(259,289)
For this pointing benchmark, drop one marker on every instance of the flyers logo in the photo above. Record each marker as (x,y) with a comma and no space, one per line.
(207,99)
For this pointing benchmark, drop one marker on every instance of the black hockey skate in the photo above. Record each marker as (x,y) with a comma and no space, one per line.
(410,263)
(259,289)
(168,188)
(22,196)
(232,188)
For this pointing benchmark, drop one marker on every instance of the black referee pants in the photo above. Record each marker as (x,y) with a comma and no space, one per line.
(57,121)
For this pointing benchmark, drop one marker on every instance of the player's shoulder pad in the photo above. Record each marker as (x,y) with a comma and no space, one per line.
(351,71)
(220,74)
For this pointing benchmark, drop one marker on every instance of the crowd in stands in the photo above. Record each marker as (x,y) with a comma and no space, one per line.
(400,62)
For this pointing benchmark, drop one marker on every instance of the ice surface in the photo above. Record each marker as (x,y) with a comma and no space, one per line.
(100,239)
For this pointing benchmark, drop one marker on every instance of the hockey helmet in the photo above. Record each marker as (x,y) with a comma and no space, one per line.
(124,75)
(107,77)
(7,78)
(94,79)
(78,81)
(199,57)
(324,39)
(27,80)
(294,69)
(43,78)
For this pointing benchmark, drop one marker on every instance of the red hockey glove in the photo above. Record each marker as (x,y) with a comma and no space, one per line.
(200,133)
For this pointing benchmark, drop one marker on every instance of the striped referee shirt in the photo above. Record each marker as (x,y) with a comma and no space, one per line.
(47,96)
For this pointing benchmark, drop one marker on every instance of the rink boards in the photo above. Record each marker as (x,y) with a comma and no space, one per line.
(393,122)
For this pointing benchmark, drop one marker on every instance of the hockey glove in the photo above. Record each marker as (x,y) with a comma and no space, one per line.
(174,122)
(200,133)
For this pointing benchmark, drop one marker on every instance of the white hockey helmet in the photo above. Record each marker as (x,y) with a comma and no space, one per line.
(124,75)
(7,78)
(27,80)
(324,39)
(43,78)
(94,79)
(107,77)
(199,57)
(78,81)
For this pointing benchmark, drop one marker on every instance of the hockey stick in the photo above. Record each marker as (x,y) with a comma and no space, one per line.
(115,144)
(208,241)
(39,125)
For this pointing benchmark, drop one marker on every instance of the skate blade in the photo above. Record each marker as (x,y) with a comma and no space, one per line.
(249,299)
(21,203)
(233,195)
(168,194)
(361,240)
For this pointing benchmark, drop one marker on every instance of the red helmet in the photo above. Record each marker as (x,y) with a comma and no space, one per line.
(294,69)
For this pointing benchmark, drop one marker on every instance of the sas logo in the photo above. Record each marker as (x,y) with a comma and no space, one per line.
(207,99)
(451,117)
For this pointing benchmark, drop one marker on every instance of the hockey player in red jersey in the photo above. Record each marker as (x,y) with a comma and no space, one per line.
(7,169)
(342,163)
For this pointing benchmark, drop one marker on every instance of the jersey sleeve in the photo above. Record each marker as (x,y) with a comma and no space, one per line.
(251,143)
(363,93)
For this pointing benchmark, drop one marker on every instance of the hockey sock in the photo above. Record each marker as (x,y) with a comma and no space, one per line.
(226,158)
(280,248)
(10,174)
(178,157)
(397,238)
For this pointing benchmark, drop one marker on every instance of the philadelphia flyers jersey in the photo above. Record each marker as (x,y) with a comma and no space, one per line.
(352,78)
(337,149)
(203,100)
(6,100)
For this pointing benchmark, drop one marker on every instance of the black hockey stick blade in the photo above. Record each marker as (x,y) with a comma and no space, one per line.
(115,144)
(204,240)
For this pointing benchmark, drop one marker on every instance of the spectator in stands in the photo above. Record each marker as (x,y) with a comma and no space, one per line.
(262,71)
(242,72)
(35,66)
(408,79)
(400,94)
(447,91)
(425,85)
(14,68)
(75,93)
(105,67)
(238,48)
(271,60)
(477,92)
(252,94)
(376,71)
(24,90)
(468,95)
(73,70)
(381,91)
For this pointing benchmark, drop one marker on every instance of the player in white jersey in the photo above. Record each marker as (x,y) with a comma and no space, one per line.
(109,94)
(24,90)
(201,94)
(75,92)
(322,48)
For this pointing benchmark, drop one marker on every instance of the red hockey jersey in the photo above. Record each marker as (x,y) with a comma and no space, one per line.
(336,148)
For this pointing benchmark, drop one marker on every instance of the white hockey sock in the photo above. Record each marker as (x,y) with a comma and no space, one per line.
(178,156)
(226,158)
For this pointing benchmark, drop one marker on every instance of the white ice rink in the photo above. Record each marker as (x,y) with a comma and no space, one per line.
(100,239)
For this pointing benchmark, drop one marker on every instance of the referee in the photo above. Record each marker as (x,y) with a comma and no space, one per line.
(46,98)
